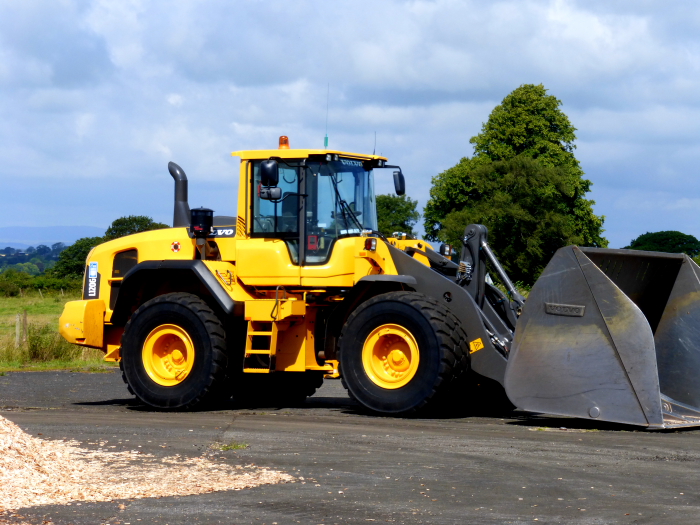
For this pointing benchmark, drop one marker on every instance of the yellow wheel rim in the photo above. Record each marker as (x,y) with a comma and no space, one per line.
(168,355)
(390,356)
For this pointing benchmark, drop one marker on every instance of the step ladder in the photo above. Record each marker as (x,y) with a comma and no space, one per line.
(266,318)
(260,347)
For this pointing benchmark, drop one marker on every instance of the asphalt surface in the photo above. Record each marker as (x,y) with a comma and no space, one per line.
(355,468)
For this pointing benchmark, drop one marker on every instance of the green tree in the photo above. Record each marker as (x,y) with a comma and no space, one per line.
(396,213)
(451,190)
(27,267)
(43,251)
(56,249)
(132,224)
(529,209)
(71,261)
(527,124)
(667,241)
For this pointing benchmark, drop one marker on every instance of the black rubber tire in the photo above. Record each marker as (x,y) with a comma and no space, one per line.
(205,384)
(442,346)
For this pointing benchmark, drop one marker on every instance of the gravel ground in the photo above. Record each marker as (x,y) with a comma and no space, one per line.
(355,468)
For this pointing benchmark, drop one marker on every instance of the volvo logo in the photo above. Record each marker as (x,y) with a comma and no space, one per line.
(569,310)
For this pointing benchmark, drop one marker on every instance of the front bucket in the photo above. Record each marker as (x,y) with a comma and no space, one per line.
(612,335)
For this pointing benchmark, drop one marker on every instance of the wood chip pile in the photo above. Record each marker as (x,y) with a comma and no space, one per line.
(42,472)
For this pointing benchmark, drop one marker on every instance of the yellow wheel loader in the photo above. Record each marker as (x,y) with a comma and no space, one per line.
(300,285)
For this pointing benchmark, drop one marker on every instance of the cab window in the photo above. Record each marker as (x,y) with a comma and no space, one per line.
(278,219)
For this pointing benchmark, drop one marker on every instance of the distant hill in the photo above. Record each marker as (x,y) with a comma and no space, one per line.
(25,236)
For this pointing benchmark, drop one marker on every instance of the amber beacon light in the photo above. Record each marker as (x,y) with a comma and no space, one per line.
(284,142)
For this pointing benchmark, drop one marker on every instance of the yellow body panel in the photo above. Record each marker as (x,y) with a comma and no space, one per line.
(227,275)
(349,262)
(82,322)
(159,245)
(379,260)
(265,262)
(155,245)
(269,310)
(338,271)
(227,247)
(113,353)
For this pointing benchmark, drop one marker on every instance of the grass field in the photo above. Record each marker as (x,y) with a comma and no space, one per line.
(43,348)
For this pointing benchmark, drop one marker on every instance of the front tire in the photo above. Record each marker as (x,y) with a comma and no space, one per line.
(401,353)
(173,353)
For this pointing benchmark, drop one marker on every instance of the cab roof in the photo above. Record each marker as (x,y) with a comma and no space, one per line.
(254,154)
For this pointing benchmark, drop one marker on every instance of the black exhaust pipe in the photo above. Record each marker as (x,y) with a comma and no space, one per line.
(181,214)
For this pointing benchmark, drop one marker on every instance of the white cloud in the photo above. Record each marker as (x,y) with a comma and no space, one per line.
(175,99)
(84,124)
(107,91)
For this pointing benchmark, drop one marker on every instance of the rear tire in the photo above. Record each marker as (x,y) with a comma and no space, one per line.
(402,352)
(173,353)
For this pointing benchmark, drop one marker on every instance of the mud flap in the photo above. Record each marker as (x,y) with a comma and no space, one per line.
(612,335)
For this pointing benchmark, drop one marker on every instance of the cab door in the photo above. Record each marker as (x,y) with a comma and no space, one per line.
(270,257)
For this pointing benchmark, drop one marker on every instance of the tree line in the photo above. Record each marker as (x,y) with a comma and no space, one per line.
(30,260)
(62,267)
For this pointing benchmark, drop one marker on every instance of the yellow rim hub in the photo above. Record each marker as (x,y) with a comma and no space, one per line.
(390,356)
(168,355)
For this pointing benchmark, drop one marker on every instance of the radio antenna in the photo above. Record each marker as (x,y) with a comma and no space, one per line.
(328,94)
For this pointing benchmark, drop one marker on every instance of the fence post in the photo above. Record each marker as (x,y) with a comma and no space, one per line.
(41,294)
(24,323)
(17,331)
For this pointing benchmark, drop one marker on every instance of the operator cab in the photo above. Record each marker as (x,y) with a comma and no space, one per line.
(320,198)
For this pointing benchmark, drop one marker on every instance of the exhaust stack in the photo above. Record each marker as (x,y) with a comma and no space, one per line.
(181,214)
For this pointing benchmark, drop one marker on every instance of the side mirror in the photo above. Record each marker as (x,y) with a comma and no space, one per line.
(271,194)
(399,183)
(269,172)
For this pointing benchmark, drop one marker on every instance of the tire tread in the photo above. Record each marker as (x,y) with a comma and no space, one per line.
(454,366)
(214,388)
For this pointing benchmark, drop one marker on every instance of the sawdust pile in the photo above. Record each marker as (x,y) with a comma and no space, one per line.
(37,472)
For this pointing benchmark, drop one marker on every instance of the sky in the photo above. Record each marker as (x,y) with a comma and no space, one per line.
(97,96)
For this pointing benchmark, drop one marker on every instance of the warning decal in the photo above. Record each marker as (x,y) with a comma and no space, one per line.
(476,345)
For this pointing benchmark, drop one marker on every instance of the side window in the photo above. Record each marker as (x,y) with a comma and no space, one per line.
(279,219)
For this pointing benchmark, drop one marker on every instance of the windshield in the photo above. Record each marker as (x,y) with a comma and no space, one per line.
(339,202)
(341,198)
